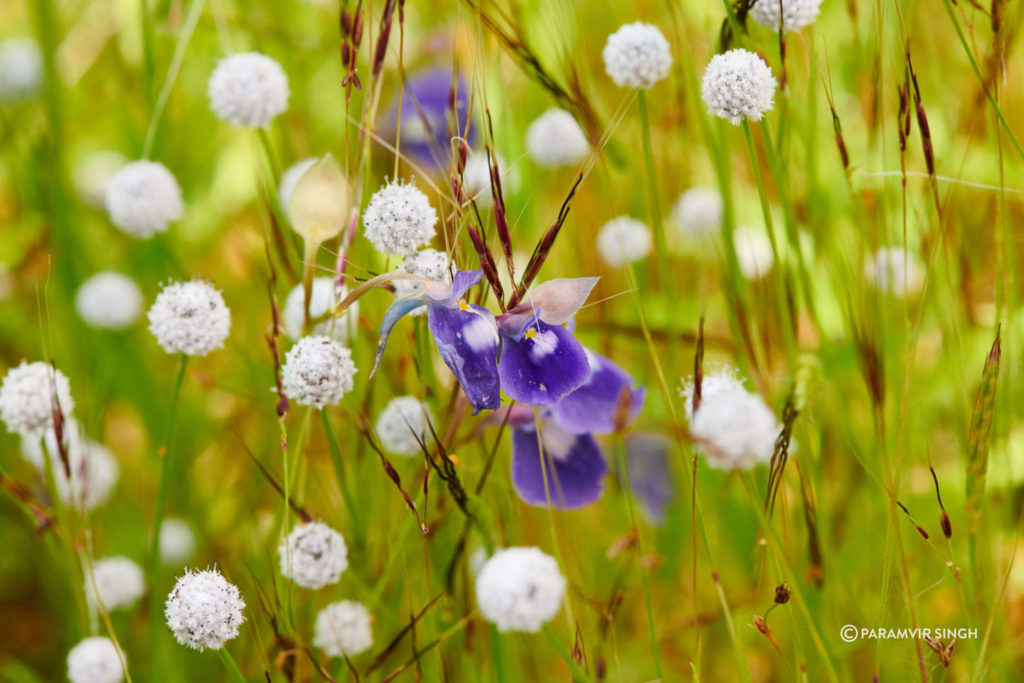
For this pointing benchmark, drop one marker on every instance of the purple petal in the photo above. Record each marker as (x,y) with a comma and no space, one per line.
(556,301)
(574,468)
(607,402)
(463,280)
(467,338)
(394,313)
(544,367)
(647,460)
(425,112)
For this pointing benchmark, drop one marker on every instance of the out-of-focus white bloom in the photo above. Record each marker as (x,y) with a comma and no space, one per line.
(143,198)
(698,212)
(476,177)
(93,172)
(290,178)
(519,589)
(738,85)
(428,263)
(318,204)
(26,398)
(637,56)
(109,300)
(204,610)
(322,298)
(21,69)
(314,555)
(177,542)
(477,559)
(624,240)
(400,424)
(94,470)
(555,140)
(119,583)
(248,89)
(718,381)
(795,13)
(736,429)
(317,371)
(895,271)
(754,252)
(95,660)
(190,318)
(343,629)
(399,219)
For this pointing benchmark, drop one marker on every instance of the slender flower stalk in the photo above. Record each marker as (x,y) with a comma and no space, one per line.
(664,272)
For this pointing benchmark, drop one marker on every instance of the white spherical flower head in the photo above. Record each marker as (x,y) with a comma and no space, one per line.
(26,398)
(698,212)
(92,174)
(519,589)
(402,426)
(190,318)
(95,660)
(94,470)
(720,380)
(738,85)
(796,14)
(754,252)
(476,178)
(555,140)
(143,198)
(736,429)
(428,263)
(318,371)
(343,629)
(895,271)
(109,300)
(637,56)
(177,542)
(248,89)
(21,69)
(119,583)
(322,298)
(314,555)
(624,240)
(399,219)
(290,178)
(204,610)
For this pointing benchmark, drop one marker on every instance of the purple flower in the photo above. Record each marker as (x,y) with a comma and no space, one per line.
(607,402)
(427,98)
(647,461)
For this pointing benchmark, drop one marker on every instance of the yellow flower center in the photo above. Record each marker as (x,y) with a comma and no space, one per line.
(530,333)
(463,306)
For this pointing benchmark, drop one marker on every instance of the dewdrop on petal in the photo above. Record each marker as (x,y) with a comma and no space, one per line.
(399,219)
(519,589)
(736,429)
(95,660)
(720,380)
(895,271)
(204,610)
(313,556)
(637,56)
(177,542)
(190,318)
(248,89)
(624,240)
(318,204)
(555,140)
(402,427)
(738,85)
(119,583)
(26,405)
(322,299)
(143,198)
(428,263)
(109,300)
(698,212)
(796,14)
(754,252)
(343,629)
(318,371)
(21,69)
(290,178)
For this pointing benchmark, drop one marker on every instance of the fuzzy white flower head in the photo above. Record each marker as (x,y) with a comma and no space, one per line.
(555,140)
(322,298)
(796,14)
(400,424)
(95,660)
(399,219)
(313,556)
(204,610)
(143,198)
(720,380)
(119,583)
(624,240)
(738,85)
(476,178)
(736,429)
(92,174)
(754,252)
(343,629)
(190,318)
(895,271)
(520,589)
(637,56)
(94,470)
(109,300)
(248,89)
(428,263)
(26,394)
(290,178)
(317,372)
(21,69)
(698,212)
(177,542)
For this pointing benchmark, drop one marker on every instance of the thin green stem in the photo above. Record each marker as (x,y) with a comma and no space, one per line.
(339,469)
(231,665)
(664,273)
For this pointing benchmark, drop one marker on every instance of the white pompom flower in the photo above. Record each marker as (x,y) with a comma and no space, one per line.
(735,428)
(95,660)
(399,219)
(555,140)
(738,85)
(290,178)
(796,14)
(698,212)
(637,56)
(318,371)
(428,263)
(248,89)
(190,318)
(109,300)
(718,381)
(520,589)
(895,271)
(401,426)
(204,610)
(143,198)
(26,398)
(753,252)
(624,240)
(322,298)
(314,555)
(21,69)
(94,470)
(343,629)
(119,583)
(177,542)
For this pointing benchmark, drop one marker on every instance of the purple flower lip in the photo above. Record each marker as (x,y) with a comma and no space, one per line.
(573,470)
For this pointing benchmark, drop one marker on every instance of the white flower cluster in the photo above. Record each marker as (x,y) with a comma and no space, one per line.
(637,56)
(317,371)
(796,14)
(290,178)
(248,89)
(428,263)
(143,198)
(342,629)
(26,398)
(95,660)
(119,583)
(400,424)
(322,298)
(21,69)
(313,556)
(719,380)
(895,271)
(698,212)
(190,318)
(177,542)
(399,219)
(624,240)
(555,140)
(109,300)
(204,610)
(520,589)
(94,470)
(754,252)
(738,85)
